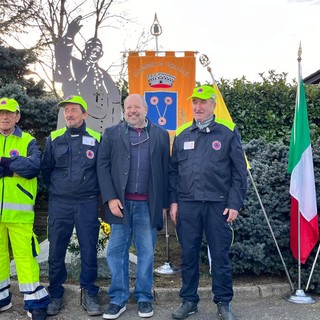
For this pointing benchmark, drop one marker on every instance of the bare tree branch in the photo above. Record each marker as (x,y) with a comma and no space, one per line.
(45,22)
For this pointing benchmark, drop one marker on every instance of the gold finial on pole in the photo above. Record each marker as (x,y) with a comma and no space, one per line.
(156,30)
(204,60)
(299,53)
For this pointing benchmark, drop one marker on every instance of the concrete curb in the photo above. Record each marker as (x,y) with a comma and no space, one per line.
(240,292)
(251,302)
(163,295)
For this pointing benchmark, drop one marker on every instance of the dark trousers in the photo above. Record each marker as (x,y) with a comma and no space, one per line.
(194,218)
(63,217)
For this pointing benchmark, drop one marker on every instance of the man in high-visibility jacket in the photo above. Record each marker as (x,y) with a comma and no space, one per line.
(20,160)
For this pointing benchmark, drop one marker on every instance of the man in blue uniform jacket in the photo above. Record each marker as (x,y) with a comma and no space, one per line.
(207,177)
(69,171)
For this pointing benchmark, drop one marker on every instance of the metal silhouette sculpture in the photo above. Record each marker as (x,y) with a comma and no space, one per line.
(86,78)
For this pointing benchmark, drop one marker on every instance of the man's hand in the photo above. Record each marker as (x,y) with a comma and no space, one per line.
(115,207)
(174,212)
(74,27)
(233,214)
(164,212)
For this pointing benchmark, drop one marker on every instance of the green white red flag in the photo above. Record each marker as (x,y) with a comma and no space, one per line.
(302,184)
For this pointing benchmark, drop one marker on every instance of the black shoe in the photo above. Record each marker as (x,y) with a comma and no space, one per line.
(225,311)
(37,314)
(54,307)
(145,309)
(90,304)
(113,311)
(185,310)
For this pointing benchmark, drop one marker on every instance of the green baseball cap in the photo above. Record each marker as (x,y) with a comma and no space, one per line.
(75,100)
(204,93)
(9,105)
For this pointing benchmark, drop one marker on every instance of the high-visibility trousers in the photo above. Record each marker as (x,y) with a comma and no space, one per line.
(25,248)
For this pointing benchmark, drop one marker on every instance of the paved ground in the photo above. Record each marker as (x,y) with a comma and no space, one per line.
(263,302)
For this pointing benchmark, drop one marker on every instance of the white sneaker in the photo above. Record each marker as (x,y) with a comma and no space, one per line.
(6,307)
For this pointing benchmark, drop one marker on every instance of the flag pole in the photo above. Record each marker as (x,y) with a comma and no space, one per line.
(299,296)
(312,269)
(299,213)
(204,60)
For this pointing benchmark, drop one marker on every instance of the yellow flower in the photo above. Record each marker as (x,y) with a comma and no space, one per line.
(104,235)
(105,227)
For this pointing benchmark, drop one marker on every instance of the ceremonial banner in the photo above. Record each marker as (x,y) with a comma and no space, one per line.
(165,80)
(221,110)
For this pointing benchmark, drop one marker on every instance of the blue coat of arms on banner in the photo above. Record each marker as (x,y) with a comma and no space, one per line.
(162,108)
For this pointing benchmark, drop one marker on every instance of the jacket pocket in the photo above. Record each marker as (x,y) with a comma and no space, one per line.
(35,245)
(62,156)
(182,155)
(26,192)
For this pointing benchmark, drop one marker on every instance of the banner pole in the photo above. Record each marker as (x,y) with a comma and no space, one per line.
(167,267)
(270,228)
(156,31)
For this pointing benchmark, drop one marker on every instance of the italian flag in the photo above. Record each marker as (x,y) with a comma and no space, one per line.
(302,185)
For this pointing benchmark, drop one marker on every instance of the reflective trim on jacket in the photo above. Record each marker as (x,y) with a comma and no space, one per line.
(69,163)
(18,192)
(208,165)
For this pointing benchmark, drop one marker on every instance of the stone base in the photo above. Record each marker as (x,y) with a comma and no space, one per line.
(73,263)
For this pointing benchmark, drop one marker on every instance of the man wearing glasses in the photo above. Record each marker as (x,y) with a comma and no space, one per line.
(133,175)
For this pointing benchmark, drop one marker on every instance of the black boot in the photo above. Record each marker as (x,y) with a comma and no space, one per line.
(225,311)
(90,304)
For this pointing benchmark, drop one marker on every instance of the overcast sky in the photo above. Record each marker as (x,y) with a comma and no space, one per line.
(240,37)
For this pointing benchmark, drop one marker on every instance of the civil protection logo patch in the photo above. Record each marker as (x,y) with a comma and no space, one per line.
(216,145)
(13,152)
(90,154)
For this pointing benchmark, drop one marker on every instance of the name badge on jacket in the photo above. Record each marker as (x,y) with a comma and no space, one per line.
(188,145)
(89,141)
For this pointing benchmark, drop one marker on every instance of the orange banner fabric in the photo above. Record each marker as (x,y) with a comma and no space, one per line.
(165,80)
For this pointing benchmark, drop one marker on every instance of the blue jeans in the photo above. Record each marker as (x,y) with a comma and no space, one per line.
(144,239)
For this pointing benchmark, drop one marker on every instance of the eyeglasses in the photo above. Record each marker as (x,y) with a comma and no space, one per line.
(141,141)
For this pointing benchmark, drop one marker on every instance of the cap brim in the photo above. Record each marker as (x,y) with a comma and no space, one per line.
(13,110)
(202,98)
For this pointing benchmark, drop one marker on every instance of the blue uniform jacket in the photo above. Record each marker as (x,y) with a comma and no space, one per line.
(208,165)
(26,167)
(69,164)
